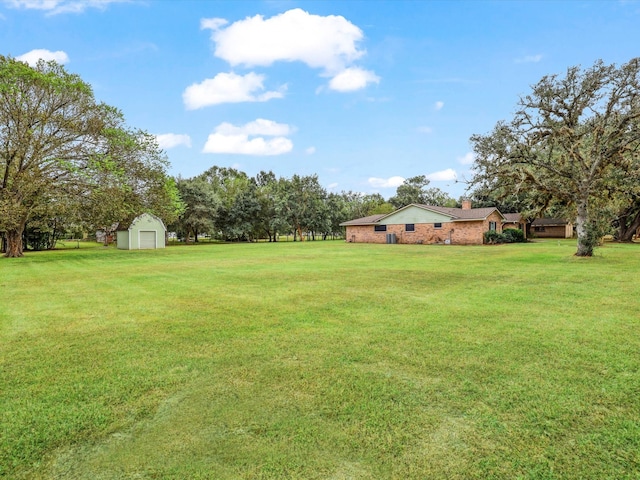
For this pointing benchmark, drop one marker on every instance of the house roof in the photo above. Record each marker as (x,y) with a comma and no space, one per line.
(512,217)
(370,220)
(462,214)
(549,222)
(455,214)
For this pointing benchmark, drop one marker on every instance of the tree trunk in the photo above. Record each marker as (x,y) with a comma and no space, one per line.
(626,232)
(54,235)
(585,246)
(14,243)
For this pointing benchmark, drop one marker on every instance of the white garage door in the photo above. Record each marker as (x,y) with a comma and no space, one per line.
(147,239)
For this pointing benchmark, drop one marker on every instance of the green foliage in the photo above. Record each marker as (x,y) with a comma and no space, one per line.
(508,235)
(594,234)
(493,237)
(362,205)
(513,235)
(199,206)
(414,190)
(382,208)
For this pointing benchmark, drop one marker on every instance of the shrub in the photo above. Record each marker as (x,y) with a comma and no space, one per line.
(492,237)
(513,235)
(510,235)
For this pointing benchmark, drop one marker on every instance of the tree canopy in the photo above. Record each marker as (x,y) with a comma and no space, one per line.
(62,151)
(414,190)
(573,144)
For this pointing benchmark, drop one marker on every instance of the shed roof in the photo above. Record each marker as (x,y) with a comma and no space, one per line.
(127,224)
(549,222)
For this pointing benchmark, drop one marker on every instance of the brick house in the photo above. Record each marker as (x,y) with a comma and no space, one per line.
(426,224)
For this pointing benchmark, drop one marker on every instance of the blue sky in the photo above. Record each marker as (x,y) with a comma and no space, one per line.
(362,93)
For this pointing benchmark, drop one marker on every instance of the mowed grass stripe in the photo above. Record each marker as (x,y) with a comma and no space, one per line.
(321,360)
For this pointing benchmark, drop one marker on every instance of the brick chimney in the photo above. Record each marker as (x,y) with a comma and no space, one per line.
(466,204)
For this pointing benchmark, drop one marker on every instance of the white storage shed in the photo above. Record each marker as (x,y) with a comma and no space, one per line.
(146,231)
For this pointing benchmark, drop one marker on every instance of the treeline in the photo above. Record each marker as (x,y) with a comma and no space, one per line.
(227,204)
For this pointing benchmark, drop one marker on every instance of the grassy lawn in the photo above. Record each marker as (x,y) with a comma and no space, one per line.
(321,360)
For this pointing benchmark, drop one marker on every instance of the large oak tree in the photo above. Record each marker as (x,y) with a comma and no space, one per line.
(57,143)
(570,143)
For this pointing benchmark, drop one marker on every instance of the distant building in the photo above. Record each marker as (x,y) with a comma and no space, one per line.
(427,224)
(146,231)
(551,228)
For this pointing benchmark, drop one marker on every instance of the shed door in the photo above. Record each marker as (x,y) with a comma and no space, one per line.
(147,239)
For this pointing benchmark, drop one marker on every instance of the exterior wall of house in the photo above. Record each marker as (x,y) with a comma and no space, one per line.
(472,233)
(414,215)
(456,233)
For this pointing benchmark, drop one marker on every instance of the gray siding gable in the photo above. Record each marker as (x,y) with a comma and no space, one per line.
(414,214)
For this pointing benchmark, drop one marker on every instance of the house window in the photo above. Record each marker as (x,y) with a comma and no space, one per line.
(538,229)
(410,227)
(437,225)
(492,226)
(379,228)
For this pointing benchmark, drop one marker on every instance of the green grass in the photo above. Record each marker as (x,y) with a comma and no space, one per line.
(321,360)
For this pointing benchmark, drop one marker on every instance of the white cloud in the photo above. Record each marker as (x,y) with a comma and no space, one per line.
(529,59)
(241,144)
(330,43)
(425,129)
(34,4)
(310,150)
(438,105)
(331,186)
(228,88)
(391,182)
(171,140)
(33,56)
(212,23)
(259,126)
(228,138)
(54,7)
(352,79)
(321,42)
(443,176)
(468,158)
